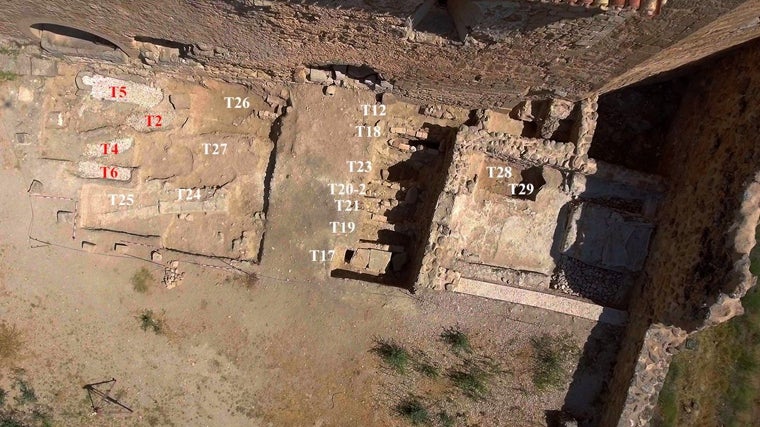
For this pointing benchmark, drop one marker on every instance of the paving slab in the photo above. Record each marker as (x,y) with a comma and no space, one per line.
(542,300)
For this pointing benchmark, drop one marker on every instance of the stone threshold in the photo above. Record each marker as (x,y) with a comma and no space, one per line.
(542,300)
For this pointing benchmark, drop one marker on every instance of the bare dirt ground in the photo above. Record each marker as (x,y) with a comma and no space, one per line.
(279,353)
(292,349)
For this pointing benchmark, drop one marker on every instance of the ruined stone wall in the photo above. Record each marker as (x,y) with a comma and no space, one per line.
(435,266)
(538,49)
(698,266)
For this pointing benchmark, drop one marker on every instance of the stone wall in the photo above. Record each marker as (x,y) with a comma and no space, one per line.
(523,49)
(650,367)
(698,267)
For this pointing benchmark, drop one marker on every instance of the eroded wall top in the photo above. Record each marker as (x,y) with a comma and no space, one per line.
(517,49)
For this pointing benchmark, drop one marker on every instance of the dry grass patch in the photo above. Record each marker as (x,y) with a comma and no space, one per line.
(142,280)
(10,343)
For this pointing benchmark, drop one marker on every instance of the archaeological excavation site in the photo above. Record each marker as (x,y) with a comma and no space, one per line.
(380,213)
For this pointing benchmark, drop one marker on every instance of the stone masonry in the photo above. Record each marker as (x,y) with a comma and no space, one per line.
(519,49)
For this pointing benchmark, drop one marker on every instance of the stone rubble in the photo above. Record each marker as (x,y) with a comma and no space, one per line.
(172,275)
(346,76)
(604,287)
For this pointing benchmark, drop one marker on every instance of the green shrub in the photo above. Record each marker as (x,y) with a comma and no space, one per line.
(414,411)
(43,419)
(26,392)
(393,355)
(551,354)
(446,419)
(427,369)
(471,380)
(149,321)
(9,421)
(457,339)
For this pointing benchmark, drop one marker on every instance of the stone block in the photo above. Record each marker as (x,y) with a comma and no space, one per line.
(25,94)
(388,98)
(318,76)
(360,259)
(15,64)
(379,260)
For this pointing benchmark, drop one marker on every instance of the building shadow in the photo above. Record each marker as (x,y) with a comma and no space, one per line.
(624,188)
(610,289)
